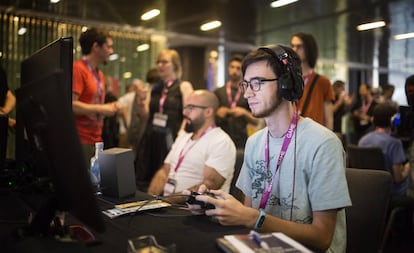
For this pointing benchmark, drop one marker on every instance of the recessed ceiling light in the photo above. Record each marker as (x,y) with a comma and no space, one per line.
(280,3)
(372,25)
(22,31)
(210,25)
(143,47)
(404,36)
(150,14)
(54,1)
(127,75)
(113,57)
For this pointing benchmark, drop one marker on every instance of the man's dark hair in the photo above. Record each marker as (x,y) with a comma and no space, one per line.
(383,114)
(410,96)
(152,76)
(409,80)
(91,36)
(310,47)
(236,57)
(275,64)
(338,83)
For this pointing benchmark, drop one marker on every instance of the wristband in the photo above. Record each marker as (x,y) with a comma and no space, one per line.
(260,219)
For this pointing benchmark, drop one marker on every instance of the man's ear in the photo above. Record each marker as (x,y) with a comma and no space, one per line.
(95,45)
(210,111)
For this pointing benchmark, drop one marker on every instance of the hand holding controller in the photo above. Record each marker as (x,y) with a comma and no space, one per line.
(192,200)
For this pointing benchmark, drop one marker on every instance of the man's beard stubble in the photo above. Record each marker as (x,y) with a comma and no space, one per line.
(189,127)
(192,126)
(268,111)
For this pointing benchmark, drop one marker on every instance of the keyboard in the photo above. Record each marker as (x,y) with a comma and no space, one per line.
(136,206)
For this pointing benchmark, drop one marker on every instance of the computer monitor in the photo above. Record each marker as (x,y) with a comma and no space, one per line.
(55,56)
(53,138)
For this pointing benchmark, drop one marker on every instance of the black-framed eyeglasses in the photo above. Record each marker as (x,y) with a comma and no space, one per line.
(191,107)
(254,83)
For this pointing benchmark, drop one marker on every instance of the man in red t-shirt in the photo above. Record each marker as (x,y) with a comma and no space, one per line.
(88,88)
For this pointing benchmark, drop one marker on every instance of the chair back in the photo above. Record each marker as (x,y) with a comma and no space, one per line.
(365,157)
(237,167)
(370,192)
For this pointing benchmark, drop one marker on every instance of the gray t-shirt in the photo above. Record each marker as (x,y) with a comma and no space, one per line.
(310,179)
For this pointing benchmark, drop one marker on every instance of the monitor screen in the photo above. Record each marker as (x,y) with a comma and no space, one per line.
(53,138)
(55,56)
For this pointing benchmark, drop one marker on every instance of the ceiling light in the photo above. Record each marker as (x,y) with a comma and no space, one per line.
(113,57)
(210,25)
(127,75)
(280,3)
(143,47)
(369,26)
(54,1)
(150,14)
(22,31)
(404,36)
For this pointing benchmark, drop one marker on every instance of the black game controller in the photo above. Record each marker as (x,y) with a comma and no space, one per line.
(192,200)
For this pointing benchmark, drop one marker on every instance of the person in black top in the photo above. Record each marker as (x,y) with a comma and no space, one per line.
(7,99)
(234,113)
(165,116)
(342,104)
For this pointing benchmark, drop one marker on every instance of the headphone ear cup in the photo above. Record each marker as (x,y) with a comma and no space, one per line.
(290,86)
(285,86)
(297,85)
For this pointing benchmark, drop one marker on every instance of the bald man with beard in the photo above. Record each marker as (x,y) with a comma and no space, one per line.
(202,153)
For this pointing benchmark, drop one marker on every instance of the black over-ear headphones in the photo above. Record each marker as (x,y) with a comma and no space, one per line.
(290,82)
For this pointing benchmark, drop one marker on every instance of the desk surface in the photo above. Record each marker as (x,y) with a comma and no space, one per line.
(189,233)
(169,226)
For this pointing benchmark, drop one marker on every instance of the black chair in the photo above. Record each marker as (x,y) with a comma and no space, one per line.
(237,167)
(370,192)
(365,157)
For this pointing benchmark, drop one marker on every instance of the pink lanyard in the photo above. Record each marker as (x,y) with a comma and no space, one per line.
(97,78)
(285,145)
(184,153)
(164,95)
(232,102)
(365,106)
(306,78)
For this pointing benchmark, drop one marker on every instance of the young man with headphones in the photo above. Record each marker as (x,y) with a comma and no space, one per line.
(293,174)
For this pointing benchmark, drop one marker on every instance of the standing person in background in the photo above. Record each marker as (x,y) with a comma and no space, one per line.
(165,116)
(134,115)
(88,89)
(388,92)
(7,99)
(409,93)
(110,129)
(234,113)
(318,95)
(362,112)
(342,104)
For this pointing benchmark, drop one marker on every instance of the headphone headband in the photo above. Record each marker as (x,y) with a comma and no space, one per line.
(290,83)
